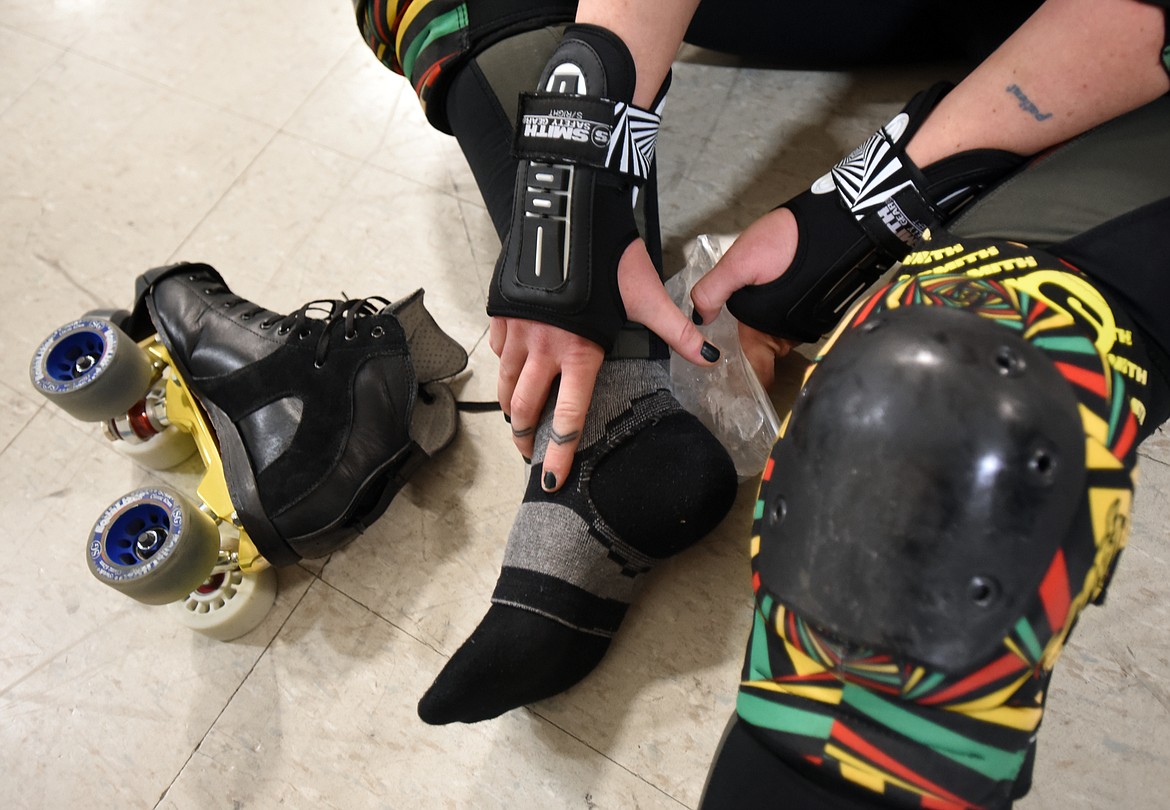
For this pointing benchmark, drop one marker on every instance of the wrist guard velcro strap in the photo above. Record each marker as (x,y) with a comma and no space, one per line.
(584,131)
(584,150)
(859,219)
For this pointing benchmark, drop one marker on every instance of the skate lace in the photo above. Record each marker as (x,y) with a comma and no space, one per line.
(325,314)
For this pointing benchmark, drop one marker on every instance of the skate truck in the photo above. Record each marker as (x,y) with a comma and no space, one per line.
(306,425)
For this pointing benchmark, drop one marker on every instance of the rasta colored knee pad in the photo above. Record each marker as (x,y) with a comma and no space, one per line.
(860,218)
(951,489)
(427,40)
(584,152)
(934,464)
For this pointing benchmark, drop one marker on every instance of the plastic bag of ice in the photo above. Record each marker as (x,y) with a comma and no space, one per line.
(726,397)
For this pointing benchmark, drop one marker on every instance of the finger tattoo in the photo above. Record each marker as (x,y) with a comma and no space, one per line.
(565,438)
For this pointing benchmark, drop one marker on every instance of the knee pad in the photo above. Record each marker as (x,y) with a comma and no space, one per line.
(425,40)
(933,467)
(951,489)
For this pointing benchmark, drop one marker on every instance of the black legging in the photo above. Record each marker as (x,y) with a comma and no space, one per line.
(838,34)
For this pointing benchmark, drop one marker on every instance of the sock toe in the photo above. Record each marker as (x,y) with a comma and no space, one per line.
(515,657)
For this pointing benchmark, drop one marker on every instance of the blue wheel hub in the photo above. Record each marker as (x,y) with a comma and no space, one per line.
(74,356)
(137,534)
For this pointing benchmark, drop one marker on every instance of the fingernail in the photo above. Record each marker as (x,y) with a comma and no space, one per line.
(550,481)
(508,419)
(709,352)
(696,318)
(527,459)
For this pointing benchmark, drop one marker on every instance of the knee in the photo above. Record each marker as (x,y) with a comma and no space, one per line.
(932,466)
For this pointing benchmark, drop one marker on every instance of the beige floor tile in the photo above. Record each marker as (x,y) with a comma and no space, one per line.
(257,63)
(102,699)
(326,719)
(258,229)
(389,235)
(1105,741)
(24,59)
(365,111)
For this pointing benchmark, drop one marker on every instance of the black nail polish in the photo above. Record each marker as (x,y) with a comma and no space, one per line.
(696,318)
(709,352)
(550,481)
(508,419)
(527,459)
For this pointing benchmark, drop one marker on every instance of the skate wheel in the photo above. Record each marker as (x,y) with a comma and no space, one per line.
(153,545)
(91,370)
(163,450)
(228,605)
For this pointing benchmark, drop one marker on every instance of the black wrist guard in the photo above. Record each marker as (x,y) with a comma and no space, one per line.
(584,152)
(855,222)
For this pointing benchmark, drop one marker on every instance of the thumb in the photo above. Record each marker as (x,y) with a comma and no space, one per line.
(761,254)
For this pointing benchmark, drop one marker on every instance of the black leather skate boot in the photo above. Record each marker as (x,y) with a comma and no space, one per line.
(321,415)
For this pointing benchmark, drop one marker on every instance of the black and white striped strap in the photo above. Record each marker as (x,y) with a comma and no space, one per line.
(587,131)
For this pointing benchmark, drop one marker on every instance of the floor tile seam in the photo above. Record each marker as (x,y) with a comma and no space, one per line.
(610,759)
(438,187)
(306,233)
(367,163)
(61,52)
(274,134)
(476,343)
(709,134)
(176,254)
(471,246)
(231,698)
(178,90)
(361,165)
(383,618)
(25,392)
(34,36)
(15,436)
(57,268)
(1147,457)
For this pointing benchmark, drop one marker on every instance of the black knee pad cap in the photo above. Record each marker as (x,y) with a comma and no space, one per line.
(933,464)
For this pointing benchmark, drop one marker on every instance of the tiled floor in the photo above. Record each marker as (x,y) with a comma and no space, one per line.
(265,139)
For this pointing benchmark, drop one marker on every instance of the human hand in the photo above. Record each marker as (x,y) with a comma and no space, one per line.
(762,350)
(532,356)
(761,254)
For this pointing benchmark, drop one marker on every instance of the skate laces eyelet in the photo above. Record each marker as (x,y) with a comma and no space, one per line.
(377,332)
(333,315)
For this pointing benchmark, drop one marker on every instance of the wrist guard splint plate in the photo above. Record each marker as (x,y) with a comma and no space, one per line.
(583,156)
(855,222)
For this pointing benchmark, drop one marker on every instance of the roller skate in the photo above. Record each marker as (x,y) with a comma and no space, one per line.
(306,426)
